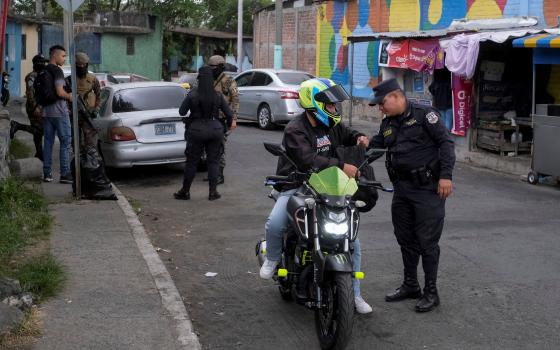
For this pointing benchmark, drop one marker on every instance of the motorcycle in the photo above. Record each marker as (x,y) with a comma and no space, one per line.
(316,266)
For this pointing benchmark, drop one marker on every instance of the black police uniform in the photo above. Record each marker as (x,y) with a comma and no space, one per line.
(203,132)
(420,152)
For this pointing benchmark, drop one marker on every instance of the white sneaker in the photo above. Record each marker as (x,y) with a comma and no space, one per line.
(268,268)
(361,306)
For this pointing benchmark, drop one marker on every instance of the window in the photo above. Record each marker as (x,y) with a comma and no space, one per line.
(243,79)
(294,78)
(148,98)
(23,47)
(103,99)
(130,45)
(261,79)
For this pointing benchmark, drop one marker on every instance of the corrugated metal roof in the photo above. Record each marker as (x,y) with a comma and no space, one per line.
(206,33)
(437,33)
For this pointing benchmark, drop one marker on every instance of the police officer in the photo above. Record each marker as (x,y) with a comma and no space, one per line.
(89,90)
(32,108)
(225,85)
(420,162)
(204,132)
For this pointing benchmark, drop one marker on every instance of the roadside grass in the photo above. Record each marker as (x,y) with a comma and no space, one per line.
(25,333)
(25,226)
(135,204)
(19,149)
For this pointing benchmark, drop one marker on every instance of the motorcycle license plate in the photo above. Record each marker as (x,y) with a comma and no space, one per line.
(165,129)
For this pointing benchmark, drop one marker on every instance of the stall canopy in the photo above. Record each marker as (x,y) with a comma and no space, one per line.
(546,40)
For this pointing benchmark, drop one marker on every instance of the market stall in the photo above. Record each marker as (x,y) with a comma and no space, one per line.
(545,111)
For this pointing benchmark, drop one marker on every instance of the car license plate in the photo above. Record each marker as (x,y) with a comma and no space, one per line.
(165,129)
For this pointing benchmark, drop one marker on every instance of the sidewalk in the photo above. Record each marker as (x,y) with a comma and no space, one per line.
(118,294)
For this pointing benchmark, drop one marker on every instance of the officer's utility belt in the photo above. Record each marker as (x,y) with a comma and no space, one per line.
(205,119)
(420,176)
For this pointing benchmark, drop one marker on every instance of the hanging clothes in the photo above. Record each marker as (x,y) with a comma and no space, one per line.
(461,54)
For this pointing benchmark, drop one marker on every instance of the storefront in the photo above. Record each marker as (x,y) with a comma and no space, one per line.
(481,88)
(545,102)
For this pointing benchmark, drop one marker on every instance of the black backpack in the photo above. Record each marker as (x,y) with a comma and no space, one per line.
(43,86)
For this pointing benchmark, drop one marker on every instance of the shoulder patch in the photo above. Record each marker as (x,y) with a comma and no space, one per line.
(432,118)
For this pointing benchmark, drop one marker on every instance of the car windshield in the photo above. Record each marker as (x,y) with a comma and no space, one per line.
(148,98)
(293,78)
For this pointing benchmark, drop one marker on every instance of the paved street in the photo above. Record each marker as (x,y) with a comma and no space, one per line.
(499,270)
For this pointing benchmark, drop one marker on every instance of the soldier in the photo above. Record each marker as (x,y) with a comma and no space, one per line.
(228,87)
(33,109)
(89,90)
(420,163)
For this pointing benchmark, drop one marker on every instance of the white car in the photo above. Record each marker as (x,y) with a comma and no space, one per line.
(270,96)
(139,124)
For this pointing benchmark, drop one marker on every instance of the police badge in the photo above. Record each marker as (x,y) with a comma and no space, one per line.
(432,118)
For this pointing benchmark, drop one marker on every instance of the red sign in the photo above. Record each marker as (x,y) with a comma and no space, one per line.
(425,55)
(462,96)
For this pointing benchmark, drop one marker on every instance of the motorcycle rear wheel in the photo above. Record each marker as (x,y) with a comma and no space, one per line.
(334,320)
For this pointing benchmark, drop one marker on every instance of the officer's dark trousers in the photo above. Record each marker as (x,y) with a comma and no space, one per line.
(203,134)
(418,213)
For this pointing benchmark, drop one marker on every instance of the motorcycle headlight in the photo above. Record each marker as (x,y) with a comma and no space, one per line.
(337,217)
(336,229)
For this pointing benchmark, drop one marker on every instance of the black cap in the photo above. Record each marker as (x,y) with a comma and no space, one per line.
(38,59)
(381,90)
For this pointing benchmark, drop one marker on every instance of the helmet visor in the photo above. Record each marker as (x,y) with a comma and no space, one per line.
(333,94)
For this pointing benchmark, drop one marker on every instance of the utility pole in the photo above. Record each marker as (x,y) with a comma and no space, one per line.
(239,35)
(278,43)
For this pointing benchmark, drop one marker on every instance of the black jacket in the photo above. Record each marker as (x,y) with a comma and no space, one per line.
(415,139)
(313,147)
(192,103)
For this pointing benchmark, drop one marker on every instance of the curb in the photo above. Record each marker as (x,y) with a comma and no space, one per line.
(170,297)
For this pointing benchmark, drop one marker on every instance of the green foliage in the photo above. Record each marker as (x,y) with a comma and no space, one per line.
(220,14)
(23,217)
(42,275)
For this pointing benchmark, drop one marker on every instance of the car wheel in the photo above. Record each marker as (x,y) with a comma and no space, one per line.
(264,117)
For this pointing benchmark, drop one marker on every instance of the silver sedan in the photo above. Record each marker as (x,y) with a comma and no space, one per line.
(139,124)
(270,96)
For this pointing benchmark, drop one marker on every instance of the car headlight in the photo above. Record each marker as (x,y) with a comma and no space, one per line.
(336,229)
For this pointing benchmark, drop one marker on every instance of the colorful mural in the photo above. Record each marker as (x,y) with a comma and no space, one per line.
(336,20)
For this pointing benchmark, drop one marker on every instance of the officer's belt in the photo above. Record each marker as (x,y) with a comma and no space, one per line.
(422,175)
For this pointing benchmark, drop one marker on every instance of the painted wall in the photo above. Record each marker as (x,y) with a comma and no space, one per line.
(147,56)
(12,51)
(32,49)
(336,20)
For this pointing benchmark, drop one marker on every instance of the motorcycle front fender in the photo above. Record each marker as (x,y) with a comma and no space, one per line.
(341,262)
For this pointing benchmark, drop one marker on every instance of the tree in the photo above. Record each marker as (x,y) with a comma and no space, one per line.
(220,14)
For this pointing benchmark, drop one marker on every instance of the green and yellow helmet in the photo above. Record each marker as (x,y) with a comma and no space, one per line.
(315,93)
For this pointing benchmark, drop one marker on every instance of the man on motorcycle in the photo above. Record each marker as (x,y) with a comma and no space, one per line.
(310,140)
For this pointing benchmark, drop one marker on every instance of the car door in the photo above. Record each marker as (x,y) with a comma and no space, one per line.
(257,93)
(243,81)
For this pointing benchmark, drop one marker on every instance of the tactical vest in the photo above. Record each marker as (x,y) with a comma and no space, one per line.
(85,89)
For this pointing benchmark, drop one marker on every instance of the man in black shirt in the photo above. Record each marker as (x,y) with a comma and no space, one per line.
(420,163)
(310,140)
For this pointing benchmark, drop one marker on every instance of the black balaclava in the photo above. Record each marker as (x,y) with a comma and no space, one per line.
(38,67)
(217,70)
(81,72)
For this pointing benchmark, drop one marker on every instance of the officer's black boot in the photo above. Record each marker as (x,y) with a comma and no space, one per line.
(430,299)
(409,289)
(182,194)
(14,127)
(213,195)
(221,176)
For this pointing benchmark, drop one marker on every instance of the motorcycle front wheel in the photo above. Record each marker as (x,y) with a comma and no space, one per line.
(334,320)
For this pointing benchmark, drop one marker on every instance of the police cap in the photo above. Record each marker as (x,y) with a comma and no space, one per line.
(39,59)
(384,88)
(216,60)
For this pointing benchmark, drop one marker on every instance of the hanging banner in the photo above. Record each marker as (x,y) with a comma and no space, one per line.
(420,56)
(462,96)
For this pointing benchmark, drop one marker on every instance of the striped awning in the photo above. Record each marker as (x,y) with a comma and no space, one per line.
(551,41)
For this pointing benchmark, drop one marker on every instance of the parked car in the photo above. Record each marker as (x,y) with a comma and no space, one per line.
(129,77)
(270,96)
(139,124)
(67,70)
(106,79)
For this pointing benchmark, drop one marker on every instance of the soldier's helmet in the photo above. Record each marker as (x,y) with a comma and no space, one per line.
(216,60)
(315,93)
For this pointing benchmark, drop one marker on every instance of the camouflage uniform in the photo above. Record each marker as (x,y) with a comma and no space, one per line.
(34,111)
(228,87)
(89,89)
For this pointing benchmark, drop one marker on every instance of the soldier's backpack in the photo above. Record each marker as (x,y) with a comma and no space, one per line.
(45,91)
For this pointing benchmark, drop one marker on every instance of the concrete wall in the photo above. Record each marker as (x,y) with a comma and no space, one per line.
(32,49)
(146,61)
